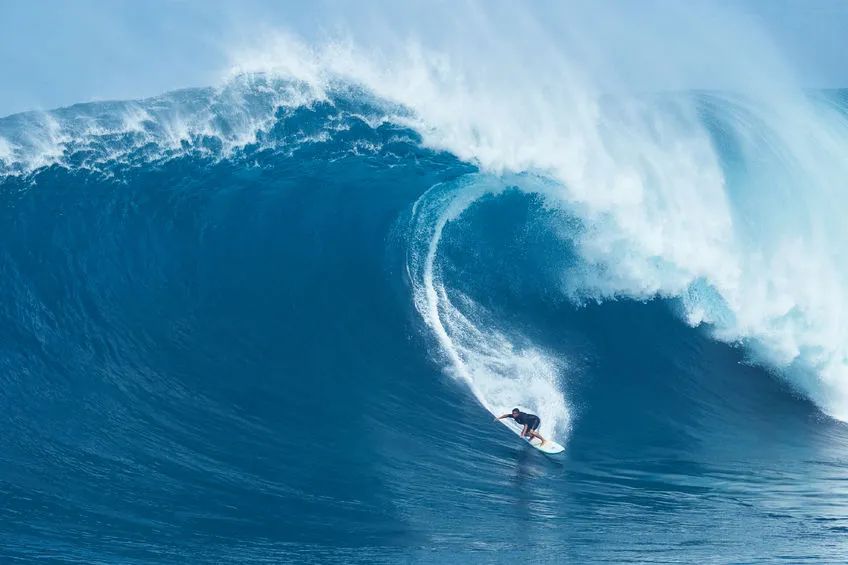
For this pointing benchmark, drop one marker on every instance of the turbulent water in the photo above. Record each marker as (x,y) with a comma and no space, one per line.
(269,322)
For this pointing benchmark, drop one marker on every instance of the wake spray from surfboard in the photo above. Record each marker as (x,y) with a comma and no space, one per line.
(500,373)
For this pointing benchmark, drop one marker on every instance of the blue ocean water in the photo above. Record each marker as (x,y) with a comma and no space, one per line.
(240,329)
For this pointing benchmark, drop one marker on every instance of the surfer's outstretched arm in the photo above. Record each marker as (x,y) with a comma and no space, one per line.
(504,416)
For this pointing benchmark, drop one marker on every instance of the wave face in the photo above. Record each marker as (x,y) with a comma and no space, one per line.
(269,322)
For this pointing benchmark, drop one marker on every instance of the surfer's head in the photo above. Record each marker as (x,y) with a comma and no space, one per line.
(516,411)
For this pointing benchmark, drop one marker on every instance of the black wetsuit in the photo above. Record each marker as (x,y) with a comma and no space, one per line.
(532,421)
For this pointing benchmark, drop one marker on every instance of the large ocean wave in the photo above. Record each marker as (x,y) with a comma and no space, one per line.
(215,297)
(728,204)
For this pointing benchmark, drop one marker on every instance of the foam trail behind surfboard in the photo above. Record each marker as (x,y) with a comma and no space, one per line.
(500,374)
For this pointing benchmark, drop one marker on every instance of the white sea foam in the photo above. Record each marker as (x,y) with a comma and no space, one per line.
(6,151)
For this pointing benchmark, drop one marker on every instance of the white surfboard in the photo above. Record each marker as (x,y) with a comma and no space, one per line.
(550,446)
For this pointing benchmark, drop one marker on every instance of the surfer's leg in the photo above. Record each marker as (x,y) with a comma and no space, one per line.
(536,434)
(531,431)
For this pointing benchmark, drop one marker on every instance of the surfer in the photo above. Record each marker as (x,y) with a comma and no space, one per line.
(531,423)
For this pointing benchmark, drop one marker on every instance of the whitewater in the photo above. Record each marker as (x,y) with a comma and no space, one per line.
(270,320)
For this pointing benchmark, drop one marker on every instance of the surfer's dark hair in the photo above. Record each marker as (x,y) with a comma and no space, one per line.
(516,410)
